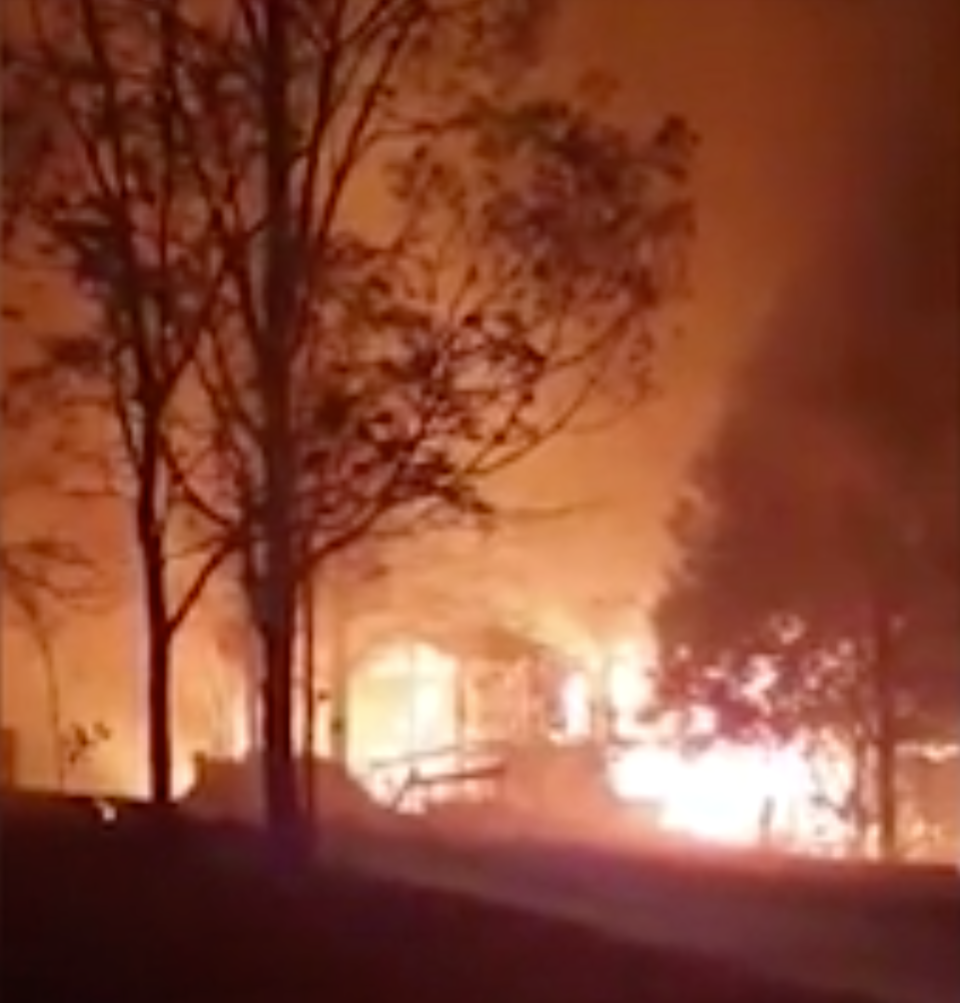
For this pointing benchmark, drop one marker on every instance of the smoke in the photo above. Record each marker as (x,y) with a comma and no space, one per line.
(855,375)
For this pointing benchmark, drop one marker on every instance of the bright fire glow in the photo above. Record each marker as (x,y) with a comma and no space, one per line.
(628,684)
(576,706)
(404,701)
(726,795)
(720,796)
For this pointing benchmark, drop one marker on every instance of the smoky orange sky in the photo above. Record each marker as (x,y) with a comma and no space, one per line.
(798,103)
(794,100)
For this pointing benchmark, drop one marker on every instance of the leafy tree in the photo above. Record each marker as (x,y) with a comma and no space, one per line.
(816,589)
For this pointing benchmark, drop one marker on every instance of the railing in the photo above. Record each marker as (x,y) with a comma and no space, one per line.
(414,782)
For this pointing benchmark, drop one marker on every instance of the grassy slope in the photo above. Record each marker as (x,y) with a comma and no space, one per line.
(122,913)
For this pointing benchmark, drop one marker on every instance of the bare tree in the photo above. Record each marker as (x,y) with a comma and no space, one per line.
(101,197)
(377,371)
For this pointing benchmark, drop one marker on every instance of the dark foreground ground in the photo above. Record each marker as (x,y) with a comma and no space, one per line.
(116,913)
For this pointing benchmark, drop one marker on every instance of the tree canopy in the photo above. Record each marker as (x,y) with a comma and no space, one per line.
(829,490)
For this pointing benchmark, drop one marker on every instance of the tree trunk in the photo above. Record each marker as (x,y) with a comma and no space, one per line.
(886,747)
(153,567)
(161,745)
(158,675)
(337,623)
(309,697)
(888,814)
(57,736)
(282,802)
(277,588)
(860,797)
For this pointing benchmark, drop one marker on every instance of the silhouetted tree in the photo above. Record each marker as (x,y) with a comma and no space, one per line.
(376,370)
(385,265)
(98,192)
(816,592)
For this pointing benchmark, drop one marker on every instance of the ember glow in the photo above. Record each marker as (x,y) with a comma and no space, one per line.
(405,701)
(732,795)
(721,796)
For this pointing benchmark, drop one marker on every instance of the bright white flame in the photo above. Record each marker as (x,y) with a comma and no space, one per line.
(628,685)
(644,774)
(721,796)
(403,701)
(576,706)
